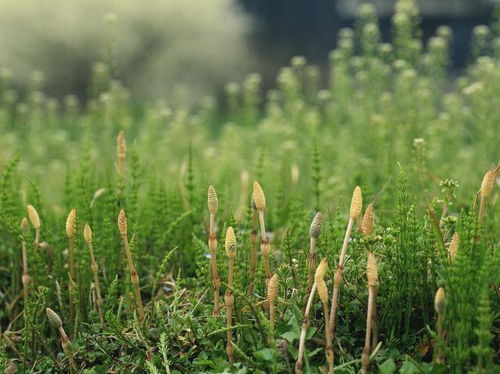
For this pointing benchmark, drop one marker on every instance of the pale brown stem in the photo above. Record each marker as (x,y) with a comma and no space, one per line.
(229,306)
(311,263)
(121,169)
(71,278)
(37,238)
(365,356)
(95,271)
(66,345)
(253,254)
(375,320)
(133,278)
(482,206)
(212,244)
(329,341)
(266,249)
(262,226)
(26,279)
(438,355)
(229,344)
(305,324)
(338,277)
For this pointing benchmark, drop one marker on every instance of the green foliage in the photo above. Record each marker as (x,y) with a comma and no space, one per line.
(384,123)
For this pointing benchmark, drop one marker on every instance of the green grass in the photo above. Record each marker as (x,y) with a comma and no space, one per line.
(390,121)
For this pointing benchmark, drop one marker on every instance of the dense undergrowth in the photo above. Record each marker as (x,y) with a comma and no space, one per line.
(390,122)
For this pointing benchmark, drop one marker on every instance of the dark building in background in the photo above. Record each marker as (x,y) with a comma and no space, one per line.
(286,28)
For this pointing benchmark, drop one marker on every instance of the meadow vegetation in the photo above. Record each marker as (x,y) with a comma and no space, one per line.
(338,228)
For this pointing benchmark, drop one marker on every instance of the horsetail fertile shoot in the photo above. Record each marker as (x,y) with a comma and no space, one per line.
(134,278)
(355,211)
(87,234)
(213,205)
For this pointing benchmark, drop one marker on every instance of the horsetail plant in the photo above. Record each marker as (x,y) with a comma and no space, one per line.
(122,226)
(367,230)
(439,306)
(319,279)
(272,290)
(213,205)
(453,248)
(259,200)
(121,152)
(299,365)
(25,279)
(70,232)
(314,231)
(35,222)
(372,275)
(228,296)
(87,234)
(485,192)
(355,211)
(56,322)
(253,249)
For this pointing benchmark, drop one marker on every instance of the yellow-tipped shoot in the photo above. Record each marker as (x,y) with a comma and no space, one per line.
(453,248)
(230,244)
(487,184)
(315,228)
(272,291)
(122,223)
(367,222)
(320,281)
(259,198)
(213,203)
(486,188)
(71,224)
(440,301)
(87,233)
(34,217)
(122,227)
(356,203)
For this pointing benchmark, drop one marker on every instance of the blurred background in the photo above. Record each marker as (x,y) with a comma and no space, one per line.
(163,49)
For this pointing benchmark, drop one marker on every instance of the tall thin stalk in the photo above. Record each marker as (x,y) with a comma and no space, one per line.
(272,290)
(213,205)
(259,200)
(122,226)
(26,279)
(314,231)
(70,232)
(253,250)
(228,296)
(486,188)
(372,275)
(121,152)
(87,233)
(367,230)
(453,247)
(439,306)
(319,279)
(35,222)
(355,211)
(56,322)
(299,364)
